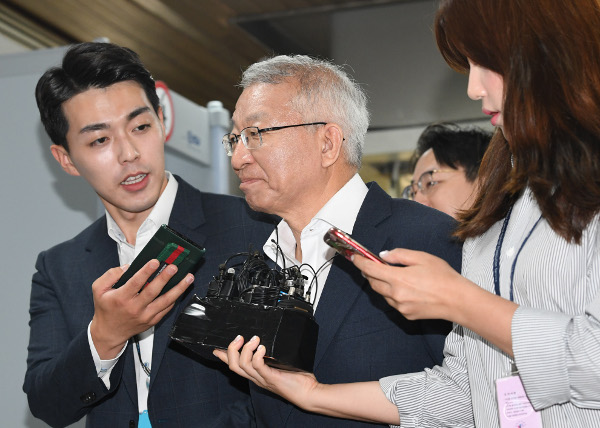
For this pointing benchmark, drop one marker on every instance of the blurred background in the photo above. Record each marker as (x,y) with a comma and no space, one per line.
(198,48)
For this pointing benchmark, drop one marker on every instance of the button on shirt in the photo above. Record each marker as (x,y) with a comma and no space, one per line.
(340,211)
(158,216)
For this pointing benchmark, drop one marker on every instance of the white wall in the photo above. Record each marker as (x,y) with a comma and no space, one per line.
(41,206)
(391,50)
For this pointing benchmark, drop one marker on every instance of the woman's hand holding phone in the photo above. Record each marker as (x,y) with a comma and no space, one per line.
(347,246)
(422,287)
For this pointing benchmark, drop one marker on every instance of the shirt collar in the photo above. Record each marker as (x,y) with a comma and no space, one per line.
(158,216)
(340,211)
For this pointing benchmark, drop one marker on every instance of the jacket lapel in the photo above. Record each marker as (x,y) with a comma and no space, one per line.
(187,218)
(102,253)
(344,282)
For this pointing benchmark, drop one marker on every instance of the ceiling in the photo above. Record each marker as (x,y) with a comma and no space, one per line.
(198,47)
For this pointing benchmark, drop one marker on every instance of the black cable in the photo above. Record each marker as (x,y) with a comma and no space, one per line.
(255,275)
(236,255)
(278,250)
(254,265)
(315,280)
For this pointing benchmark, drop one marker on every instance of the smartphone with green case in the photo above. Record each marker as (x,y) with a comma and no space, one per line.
(168,247)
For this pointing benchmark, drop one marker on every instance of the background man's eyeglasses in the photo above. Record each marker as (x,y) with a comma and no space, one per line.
(252,136)
(424,184)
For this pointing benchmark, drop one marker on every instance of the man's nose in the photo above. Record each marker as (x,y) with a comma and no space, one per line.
(128,151)
(240,156)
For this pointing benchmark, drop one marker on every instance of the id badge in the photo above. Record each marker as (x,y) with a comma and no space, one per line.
(514,408)
(144,420)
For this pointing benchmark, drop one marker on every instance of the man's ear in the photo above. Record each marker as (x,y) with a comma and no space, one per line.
(332,144)
(161,117)
(64,159)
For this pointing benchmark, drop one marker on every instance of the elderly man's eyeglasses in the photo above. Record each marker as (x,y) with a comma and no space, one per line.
(424,184)
(252,136)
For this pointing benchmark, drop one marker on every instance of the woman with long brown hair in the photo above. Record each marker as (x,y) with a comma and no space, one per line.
(525,348)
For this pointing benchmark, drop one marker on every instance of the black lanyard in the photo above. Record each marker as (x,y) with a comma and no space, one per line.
(498,253)
(139,352)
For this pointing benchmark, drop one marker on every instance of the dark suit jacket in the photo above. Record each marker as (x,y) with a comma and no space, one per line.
(185,391)
(362,338)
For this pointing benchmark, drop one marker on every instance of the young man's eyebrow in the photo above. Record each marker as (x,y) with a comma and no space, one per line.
(137,112)
(93,127)
(101,126)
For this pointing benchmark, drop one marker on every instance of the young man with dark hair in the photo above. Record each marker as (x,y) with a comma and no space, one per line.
(104,352)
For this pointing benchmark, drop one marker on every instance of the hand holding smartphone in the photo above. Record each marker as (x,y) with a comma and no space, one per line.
(168,247)
(347,246)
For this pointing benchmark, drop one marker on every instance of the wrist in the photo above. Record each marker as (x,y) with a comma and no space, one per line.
(488,315)
(316,398)
(453,304)
(465,299)
(107,346)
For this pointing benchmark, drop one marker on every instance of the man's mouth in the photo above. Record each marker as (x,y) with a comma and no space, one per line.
(134,179)
(245,178)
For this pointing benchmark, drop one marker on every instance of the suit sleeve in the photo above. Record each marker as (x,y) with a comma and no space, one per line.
(239,414)
(61,382)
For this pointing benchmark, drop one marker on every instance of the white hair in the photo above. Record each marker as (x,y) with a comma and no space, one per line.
(326,94)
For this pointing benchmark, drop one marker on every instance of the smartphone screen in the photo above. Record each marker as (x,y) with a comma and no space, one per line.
(347,246)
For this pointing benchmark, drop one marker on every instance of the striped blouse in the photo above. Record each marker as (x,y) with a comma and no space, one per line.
(555,333)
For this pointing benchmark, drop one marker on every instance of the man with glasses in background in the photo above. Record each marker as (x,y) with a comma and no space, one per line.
(447,164)
(296,145)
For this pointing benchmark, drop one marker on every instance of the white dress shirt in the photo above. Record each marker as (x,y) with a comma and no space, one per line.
(340,211)
(158,216)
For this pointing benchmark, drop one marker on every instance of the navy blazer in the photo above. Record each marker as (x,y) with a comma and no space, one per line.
(185,391)
(361,337)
